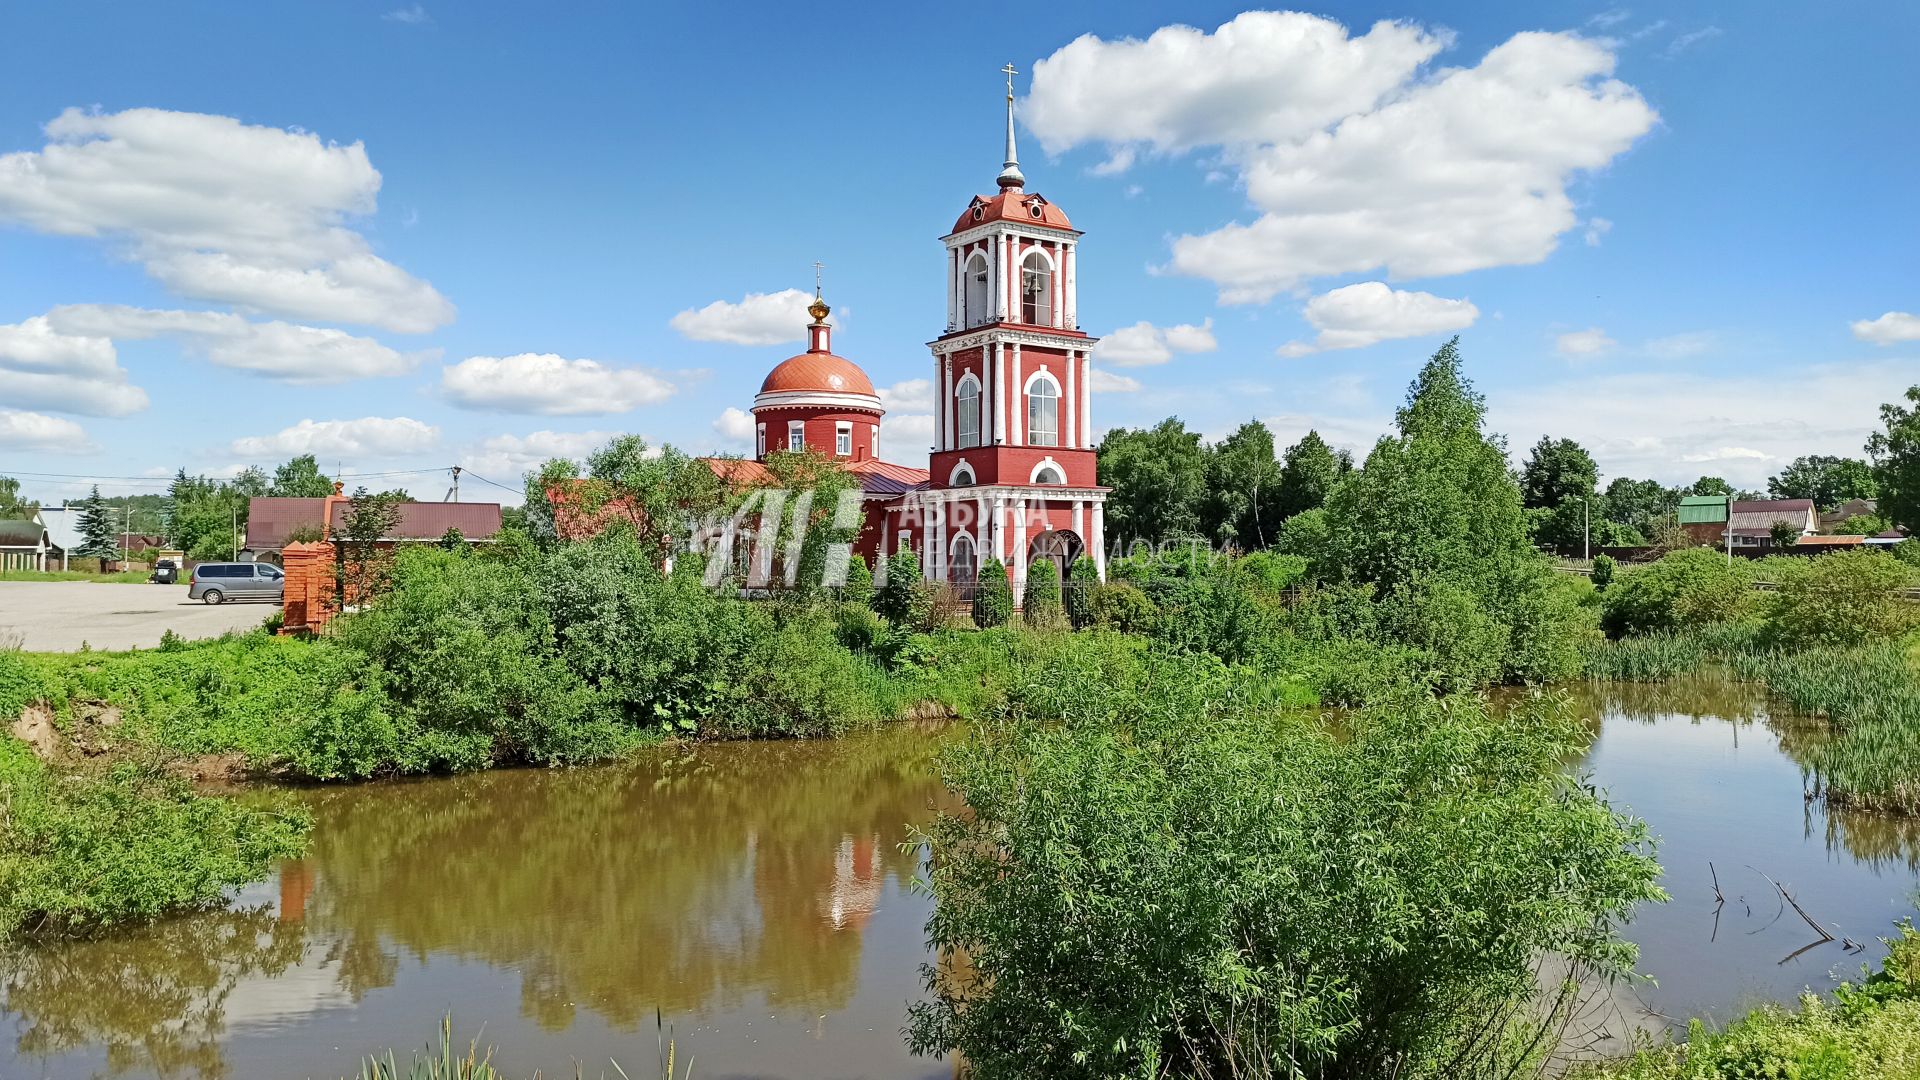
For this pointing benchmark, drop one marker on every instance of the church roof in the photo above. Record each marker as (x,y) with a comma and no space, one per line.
(817,372)
(1012,205)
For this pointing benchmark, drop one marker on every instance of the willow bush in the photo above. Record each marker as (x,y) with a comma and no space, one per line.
(1159,873)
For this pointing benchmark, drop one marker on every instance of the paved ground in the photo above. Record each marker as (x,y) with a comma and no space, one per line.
(56,616)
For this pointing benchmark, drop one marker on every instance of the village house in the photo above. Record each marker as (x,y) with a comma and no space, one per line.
(273,522)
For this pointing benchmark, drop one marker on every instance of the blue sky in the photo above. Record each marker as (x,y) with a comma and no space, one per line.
(1684,235)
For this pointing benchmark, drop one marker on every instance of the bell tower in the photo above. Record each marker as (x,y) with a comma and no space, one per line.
(1012,427)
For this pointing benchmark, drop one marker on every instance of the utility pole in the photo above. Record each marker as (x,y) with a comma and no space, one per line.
(1586,527)
(236,533)
(454,495)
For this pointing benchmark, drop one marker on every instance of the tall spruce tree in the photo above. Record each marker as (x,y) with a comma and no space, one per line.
(98,538)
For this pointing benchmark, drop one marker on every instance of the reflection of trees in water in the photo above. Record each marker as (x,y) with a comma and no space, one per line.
(1877,839)
(683,881)
(153,998)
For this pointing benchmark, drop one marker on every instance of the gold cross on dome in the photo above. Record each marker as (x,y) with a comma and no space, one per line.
(1010,72)
(817,267)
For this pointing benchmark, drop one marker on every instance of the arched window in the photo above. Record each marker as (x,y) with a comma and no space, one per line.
(1049,475)
(965,565)
(1036,290)
(976,312)
(962,477)
(967,398)
(1043,413)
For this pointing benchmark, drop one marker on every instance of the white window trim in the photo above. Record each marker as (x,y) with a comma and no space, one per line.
(1044,464)
(969,380)
(1053,275)
(796,433)
(760,440)
(1027,400)
(843,436)
(953,478)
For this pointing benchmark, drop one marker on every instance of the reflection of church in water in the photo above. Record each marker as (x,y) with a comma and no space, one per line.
(1011,473)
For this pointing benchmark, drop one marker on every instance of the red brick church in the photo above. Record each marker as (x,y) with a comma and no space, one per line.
(1011,472)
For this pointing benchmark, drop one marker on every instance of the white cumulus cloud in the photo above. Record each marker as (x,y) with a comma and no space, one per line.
(905,439)
(1579,343)
(280,350)
(505,459)
(21,430)
(1359,315)
(1889,329)
(1355,155)
(735,425)
(371,436)
(1144,344)
(218,210)
(41,367)
(1107,382)
(548,385)
(758,319)
(909,395)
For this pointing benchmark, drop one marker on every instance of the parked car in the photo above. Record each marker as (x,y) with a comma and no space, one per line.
(216,583)
(165,572)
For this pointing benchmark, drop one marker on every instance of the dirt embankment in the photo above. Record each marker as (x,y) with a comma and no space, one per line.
(92,735)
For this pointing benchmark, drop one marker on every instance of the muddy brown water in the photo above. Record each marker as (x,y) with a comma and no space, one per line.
(756,896)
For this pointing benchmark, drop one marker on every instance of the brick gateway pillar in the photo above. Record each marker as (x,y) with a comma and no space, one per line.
(309,601)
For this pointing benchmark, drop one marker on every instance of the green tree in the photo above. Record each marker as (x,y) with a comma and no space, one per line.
(1691,587)
(993,599)
(859,587)
(1159,481)
(660,494)
(1557,470)
(1041,606)
(1710,485)
(12,506)
(1432,525)
(1784,533)
(1640,505)
(1082,581)
(1896,461)
(362,541)
(300,478)
(904,598)
(1308,471)
(1242,488)
(99,533)
(1824,478)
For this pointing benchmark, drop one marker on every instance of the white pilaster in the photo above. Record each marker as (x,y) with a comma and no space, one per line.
(934,566)
(1086,400)
(1013,278)
(1071,301)
(948,440)
(1016,418)
(1098,539)
(1070,405)
(996,278)
(1000,527)
(1079,520)
(982,531)
(1059,285)
(1020,548)
(953,287)
(999,392)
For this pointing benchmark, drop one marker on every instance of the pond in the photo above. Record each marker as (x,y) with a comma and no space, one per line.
(756,897)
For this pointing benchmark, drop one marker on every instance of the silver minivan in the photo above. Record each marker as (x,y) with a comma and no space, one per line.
(216,583)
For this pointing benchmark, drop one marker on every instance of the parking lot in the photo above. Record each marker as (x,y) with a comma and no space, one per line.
(57,616)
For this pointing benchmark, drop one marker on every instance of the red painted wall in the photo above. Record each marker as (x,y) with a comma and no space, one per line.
(820,426)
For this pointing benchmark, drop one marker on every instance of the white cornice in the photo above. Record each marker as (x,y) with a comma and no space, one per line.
(1025,491)
(986,335)
(1002,226)
(793,399)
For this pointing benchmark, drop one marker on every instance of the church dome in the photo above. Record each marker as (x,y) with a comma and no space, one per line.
(1012,205)
(817,372)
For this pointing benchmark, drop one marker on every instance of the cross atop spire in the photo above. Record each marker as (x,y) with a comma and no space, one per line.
(1010,178)
(817,267)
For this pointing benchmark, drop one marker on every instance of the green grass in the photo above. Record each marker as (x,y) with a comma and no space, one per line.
(124,577)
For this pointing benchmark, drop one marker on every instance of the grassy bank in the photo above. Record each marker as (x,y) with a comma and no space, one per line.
(123,577)
(1834,640)
(1869,1029)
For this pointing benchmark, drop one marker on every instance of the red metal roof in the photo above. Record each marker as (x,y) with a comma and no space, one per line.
(1011,206)
(270,521)
(821,372)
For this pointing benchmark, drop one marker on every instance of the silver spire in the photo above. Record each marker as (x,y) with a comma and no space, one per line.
(1010,178)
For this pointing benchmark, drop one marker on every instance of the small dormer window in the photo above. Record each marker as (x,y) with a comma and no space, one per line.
(1034,210)
(979,213)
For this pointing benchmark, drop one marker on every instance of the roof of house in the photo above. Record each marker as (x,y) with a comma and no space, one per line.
(1773,506)
(882,478)
(271,520)
(63,526)
(15,532)
(1830,541)
(1703,509)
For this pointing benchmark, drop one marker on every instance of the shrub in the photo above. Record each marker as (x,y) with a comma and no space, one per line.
(96,848)
(905,599)
(1842,598)
(993,597)
(859,586)
(1908,551)
(1041,605)
(1305,535)
(1129,898)
(1603,570)
(1685,588)
(1082,580)
(1120,607)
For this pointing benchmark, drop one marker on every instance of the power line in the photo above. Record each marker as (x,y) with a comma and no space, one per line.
(484,480)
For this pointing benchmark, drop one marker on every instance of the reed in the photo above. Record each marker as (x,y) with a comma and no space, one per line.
(446,1061)
(1870,697)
